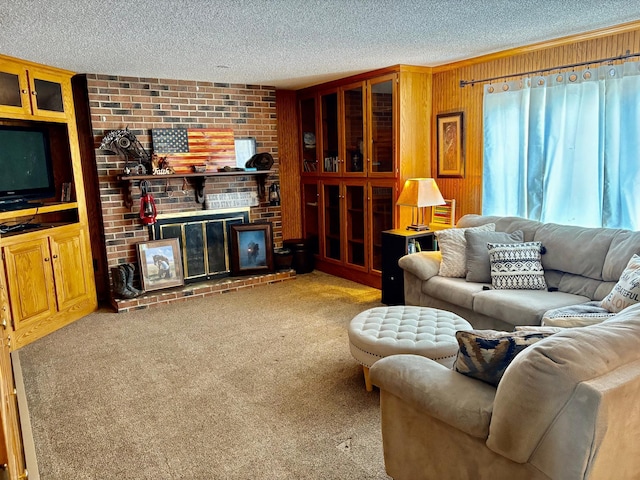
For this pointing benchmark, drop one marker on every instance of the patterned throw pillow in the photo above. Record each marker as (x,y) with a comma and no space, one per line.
(627,291)
(516,266)
(486,354)
(453,246)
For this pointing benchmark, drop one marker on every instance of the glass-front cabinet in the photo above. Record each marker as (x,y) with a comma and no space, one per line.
(310,214)
(353,108)
(354,215)
(355,204)
(330,160)
(382,196)
(332,221)
(381,148)
(309,151)
(360,138)
(30,91)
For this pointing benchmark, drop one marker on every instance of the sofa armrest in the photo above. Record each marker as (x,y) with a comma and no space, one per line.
(423,265)
(460,401)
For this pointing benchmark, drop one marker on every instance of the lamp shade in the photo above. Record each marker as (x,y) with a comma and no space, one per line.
(420,192)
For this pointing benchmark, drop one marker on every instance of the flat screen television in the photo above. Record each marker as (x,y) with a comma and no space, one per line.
(26,168)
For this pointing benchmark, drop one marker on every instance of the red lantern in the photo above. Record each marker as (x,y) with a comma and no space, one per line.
(148,211)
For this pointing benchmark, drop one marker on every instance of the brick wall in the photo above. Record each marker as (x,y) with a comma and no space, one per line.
(145,103)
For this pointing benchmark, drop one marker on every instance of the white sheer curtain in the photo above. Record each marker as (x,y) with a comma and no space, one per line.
(565,148)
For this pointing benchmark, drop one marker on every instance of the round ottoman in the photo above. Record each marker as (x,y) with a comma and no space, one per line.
(382,331)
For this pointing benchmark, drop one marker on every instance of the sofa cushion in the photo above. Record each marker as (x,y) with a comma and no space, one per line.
(516,266)
(627,290)
(453,290)
(623,246)
(503,224)
(577,250)
(486,354)
(521,307)
(576,315)
(478,266)
(453,245)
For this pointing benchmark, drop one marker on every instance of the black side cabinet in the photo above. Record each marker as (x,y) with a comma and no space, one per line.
(395,245)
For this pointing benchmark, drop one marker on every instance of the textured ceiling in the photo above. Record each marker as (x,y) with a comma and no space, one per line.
(284,43)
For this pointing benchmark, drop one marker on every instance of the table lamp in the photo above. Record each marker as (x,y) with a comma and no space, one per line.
(419,193)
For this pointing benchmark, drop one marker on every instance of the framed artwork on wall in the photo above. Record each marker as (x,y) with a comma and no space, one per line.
(160,264)
(450,135)
(251,248)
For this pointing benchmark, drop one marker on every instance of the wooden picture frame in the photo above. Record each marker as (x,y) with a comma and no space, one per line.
(251,248)
(160,264)
(450,134)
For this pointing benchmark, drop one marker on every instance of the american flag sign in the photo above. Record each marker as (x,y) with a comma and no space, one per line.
(186,147)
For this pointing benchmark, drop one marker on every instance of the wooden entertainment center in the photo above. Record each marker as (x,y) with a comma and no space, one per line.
(46,272)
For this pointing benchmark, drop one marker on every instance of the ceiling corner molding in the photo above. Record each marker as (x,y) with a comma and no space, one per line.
(558,42)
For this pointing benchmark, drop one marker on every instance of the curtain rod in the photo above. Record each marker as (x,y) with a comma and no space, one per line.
(464,83)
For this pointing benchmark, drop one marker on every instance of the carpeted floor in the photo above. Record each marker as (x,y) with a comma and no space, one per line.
(256,384)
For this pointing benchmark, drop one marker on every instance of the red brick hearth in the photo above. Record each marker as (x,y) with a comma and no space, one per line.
(199,290)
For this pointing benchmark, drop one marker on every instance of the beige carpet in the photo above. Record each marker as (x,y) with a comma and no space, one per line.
(257,384)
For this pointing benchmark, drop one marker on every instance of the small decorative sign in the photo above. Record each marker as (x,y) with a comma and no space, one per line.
(216,201)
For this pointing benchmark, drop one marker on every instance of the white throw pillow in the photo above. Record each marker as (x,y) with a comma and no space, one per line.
(627,291)
(453,246)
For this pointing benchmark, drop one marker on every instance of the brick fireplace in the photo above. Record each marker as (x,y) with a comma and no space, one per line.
(142,104)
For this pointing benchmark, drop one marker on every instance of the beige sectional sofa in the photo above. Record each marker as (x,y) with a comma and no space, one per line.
(580,265)
(565,409)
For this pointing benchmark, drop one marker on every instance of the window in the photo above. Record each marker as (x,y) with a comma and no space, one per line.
(565,148)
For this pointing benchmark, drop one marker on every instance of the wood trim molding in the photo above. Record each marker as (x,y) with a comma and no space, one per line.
(557,42)
(365,76)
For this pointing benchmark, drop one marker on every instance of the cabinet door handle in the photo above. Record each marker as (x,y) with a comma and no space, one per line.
(4,323)
(47,259)
(55,256)
(25,91)
(34,93)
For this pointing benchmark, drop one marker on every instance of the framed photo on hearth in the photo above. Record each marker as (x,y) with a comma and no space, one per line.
(450,145)
(160,264)
(251,248)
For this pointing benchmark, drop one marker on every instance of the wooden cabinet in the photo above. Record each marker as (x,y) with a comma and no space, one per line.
(47,277)
(27,90)
(46,272)
(361,137)
(12,461)
(353,214)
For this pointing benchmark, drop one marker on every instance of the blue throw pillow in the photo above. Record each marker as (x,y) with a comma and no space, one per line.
(486,354)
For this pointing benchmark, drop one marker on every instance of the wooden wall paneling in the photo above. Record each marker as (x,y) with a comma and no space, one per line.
(448,96)
(288,148)
(413,141)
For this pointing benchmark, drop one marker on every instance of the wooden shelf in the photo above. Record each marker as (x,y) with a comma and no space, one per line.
(46,208)
(199,180)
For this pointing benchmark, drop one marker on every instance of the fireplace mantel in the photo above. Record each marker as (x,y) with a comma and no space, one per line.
(197,179)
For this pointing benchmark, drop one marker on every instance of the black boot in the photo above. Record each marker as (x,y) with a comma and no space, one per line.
(118,278)
(129,270)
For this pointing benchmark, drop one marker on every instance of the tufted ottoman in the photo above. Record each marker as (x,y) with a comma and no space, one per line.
(382,331)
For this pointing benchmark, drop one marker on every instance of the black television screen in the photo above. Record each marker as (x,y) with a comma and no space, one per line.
(26,170)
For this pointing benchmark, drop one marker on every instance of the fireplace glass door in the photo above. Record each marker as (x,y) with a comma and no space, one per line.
(204,242)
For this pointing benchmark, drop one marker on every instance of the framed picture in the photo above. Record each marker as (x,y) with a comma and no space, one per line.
(251,248)
(245,149)
(160,264)
(450,145)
